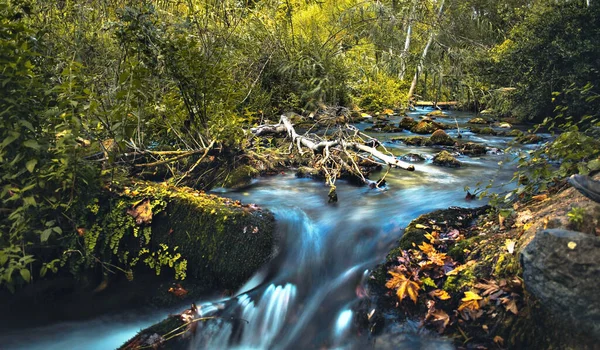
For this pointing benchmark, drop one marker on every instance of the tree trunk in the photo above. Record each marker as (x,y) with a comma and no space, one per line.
(413,85)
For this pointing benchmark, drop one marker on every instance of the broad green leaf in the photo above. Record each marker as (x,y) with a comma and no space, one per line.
(45,235)
(25,274)
(32,144)
(594,165)
(30,165)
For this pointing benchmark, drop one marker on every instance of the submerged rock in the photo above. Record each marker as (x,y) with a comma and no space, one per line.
(412,157)
(561,269)
(484,131)
(444,158)
(515,133)
(413,140)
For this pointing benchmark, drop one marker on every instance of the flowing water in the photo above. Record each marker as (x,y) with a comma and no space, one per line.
(303,298)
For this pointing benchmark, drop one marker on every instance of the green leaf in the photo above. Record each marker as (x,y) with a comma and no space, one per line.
(594,165)
(32,144)
(30,165)
(45,235)
(25,274)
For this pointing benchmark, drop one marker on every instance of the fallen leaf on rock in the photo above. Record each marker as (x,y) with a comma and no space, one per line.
(540,197)
(404,286)
(441,319)
(510,305)
(571,245)
(421,226)
(470,301)
(488,287)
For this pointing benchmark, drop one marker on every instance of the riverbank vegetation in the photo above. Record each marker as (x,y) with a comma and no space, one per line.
(97,94)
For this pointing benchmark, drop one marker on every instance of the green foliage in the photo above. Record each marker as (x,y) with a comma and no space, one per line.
(379,93)
(576,215)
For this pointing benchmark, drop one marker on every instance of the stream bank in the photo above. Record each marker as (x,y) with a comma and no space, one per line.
(147,245)
(489,279)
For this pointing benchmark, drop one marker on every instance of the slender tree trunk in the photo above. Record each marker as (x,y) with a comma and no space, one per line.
(413,85)
(404,53)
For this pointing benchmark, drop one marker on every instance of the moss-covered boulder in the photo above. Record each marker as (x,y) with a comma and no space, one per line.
(444,158)
(484,131)
(477,120)
(515,133)
(437,113)
(439,137)
(426,127)
(240,177)
(407,123)
(472,149)
(413,140)
(224,242)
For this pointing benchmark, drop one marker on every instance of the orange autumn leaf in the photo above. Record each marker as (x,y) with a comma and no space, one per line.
(142,212)
(499,340)
(426,248)
(404,286)
(440,294)
(437,258)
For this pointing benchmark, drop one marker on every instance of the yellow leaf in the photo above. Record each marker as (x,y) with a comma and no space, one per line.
(499,340)
(440,294)
(427,248)
(471,296)
(404,287)
(421,226)
(571,245)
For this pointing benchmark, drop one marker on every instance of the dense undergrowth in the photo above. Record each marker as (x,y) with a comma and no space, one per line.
(93,93)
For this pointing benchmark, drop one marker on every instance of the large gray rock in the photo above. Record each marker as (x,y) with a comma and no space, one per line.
(562,269)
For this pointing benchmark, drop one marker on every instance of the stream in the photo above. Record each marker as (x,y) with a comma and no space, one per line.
(303,298)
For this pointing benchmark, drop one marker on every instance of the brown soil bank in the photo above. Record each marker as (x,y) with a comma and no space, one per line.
(148,243)
(519,278)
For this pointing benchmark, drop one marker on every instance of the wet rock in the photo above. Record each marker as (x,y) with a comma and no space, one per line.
(437,113)
(529,139)
(515,133)
(477,121)
(505,125)
(426,127)
(240,177)
(407,123)
(472,149)
(444,158)
(561,269)
(308,172)
(511,120)
(426,118)
(440,137)
(413,140)
(484,131)
(412,157)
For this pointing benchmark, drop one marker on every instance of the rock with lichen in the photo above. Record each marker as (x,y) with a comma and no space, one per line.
(426,127)
(477,120)
(407,123)
(444,158)
(437,113)
(439,137)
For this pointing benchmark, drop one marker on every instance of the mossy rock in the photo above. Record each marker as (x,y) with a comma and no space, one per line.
(240,177)
(444,158)
(472,149)
(484,131)
(224,242)
(152,337)
(309,172)
(440,138)
(407,123)
(477,120)
(451,218)
(413,140)
(437,113)
(515,133)
(426,127)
